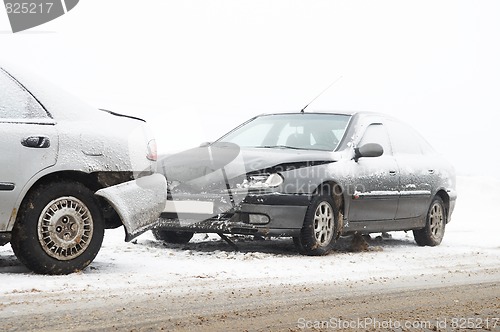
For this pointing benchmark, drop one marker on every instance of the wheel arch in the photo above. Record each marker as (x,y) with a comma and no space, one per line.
(336,191)
(93,181)
(446,200)
(88,180)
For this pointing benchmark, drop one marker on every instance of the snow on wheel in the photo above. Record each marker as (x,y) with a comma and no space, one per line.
(172,236)
(318,233)
(433,232)
(59,229)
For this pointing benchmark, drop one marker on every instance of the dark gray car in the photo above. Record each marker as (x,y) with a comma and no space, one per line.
(311,176)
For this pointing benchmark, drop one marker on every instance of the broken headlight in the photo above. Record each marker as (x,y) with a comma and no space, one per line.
(261,181)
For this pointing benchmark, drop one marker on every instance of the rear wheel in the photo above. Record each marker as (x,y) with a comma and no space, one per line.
(433,232)
(318,233)
(172,236)
(59,228)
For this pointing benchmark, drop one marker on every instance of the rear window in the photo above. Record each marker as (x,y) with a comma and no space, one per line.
(406,140)
(16,102)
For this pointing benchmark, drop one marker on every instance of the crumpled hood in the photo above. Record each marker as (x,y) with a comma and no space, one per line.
(262,159)
(208,166)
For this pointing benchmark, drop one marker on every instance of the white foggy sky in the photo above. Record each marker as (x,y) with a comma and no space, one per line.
(195,69)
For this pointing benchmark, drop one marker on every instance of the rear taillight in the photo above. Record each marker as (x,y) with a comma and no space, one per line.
(152,151)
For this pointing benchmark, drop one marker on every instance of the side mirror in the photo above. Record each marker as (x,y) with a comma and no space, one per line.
(368,150)
(205,144)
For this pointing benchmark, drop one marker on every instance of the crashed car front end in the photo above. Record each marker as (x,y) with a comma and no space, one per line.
(259,203)
(257,179)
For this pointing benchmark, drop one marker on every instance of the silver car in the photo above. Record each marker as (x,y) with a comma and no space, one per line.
(313,177)
(67,172)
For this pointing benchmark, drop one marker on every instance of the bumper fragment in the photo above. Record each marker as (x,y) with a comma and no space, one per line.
(139,203)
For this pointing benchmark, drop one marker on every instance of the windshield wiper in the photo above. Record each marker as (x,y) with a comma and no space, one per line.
(279,147)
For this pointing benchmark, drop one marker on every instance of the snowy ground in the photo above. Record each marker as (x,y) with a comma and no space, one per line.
(471,246)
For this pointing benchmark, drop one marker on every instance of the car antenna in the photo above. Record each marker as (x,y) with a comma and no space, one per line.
(328,87)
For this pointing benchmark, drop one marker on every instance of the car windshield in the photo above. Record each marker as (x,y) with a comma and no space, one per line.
(291,131)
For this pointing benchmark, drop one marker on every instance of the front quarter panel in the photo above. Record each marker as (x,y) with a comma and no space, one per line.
(305,180)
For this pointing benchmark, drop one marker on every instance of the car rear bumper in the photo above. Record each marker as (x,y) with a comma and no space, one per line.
(137,215)
(272,214)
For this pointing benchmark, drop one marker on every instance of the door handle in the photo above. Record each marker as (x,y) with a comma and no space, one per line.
(40,142)
(392,172)
(431,171)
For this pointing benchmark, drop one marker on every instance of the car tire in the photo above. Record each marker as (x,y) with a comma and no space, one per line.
(59,228)
(172,236)
(319,231)
(433,232)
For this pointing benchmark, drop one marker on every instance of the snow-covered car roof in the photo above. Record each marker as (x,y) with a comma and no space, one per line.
(60,104)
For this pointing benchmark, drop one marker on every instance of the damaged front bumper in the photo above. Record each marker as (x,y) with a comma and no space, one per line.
(138,203)
(251,213)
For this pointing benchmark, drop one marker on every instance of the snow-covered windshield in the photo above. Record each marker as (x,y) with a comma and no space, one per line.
(304,131)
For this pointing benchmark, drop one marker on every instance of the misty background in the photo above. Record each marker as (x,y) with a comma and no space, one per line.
(196,69)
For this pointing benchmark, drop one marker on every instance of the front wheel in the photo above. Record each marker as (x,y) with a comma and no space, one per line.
(59,228)
(172,236)
(433,232)
(318,233)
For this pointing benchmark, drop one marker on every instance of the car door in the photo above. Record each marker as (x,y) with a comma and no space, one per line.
(28,143)
(417,170)
(375,187)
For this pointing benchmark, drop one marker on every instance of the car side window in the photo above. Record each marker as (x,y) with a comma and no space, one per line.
(377,133)
(404,139)
(16,102)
